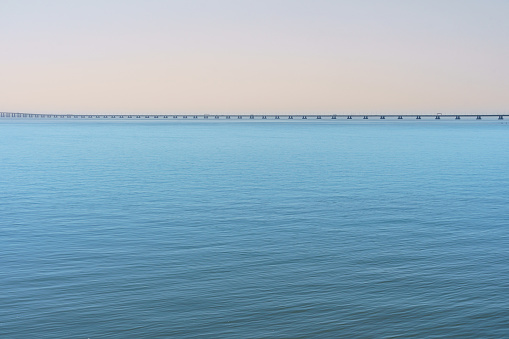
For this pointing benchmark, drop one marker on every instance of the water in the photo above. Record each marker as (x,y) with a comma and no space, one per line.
(254,229)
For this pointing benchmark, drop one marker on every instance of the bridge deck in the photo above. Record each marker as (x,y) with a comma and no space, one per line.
(249,116)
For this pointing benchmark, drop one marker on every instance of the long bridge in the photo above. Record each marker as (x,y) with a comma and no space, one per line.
(436,116)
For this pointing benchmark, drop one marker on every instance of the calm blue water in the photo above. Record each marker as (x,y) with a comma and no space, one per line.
(254,229)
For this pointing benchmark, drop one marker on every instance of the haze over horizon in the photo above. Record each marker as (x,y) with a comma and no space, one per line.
(198,56)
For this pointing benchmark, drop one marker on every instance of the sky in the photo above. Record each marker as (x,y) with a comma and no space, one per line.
(263,56)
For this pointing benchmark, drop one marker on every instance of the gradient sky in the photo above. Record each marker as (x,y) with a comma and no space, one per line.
(263,56)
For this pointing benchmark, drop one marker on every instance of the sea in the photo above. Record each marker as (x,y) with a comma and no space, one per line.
(254,229)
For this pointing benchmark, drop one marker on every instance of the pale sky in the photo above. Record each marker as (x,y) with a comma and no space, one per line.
(263,56)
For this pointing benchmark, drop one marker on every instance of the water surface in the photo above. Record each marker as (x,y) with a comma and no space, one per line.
(254,229)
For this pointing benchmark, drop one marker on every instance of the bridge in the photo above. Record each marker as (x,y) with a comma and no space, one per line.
(437,116)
